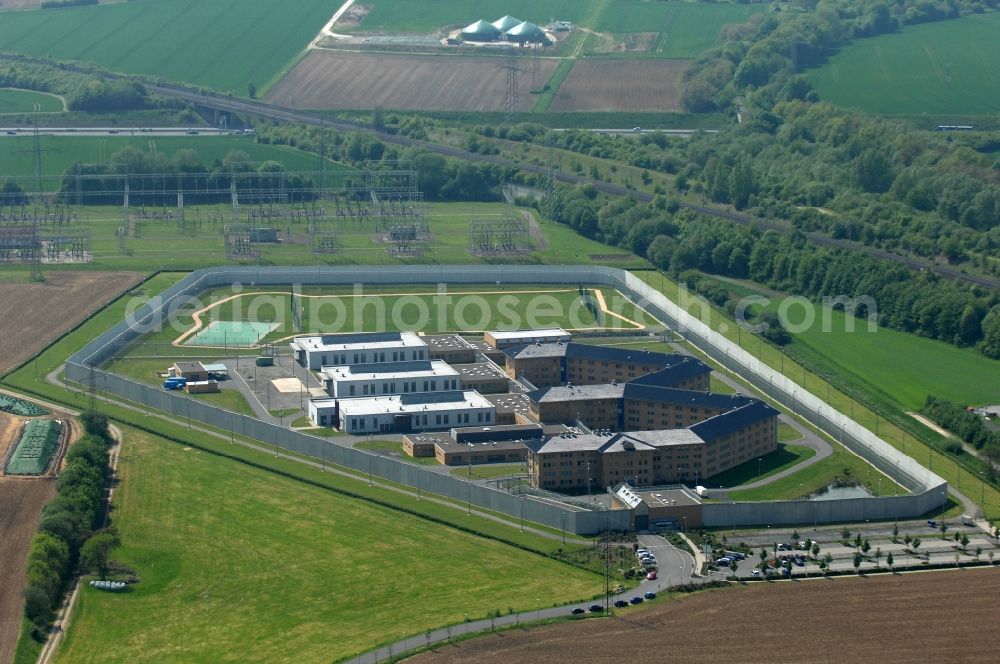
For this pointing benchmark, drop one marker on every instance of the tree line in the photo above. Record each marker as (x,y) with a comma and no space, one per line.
(966,425)
(69,533)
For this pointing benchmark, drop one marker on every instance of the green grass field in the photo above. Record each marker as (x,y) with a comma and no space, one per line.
(28,101)
(684,29)
(223,44)
(947,67)
(223,550)
(61,152)
(782,458)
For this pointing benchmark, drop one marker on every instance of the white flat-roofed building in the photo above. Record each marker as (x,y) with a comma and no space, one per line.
(505,339)
(363,380)
(402,413)
(318,351)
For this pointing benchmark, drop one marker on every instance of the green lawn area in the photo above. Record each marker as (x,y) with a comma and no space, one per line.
(945,67)
(62,151)
(223,44)
(223,549)
(490,470)
(145,370)
(782,458)
(28,101)
(819,475)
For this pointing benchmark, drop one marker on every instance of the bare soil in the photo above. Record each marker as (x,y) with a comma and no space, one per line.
(32,315)
(621,85)
(342,80)
(938,616)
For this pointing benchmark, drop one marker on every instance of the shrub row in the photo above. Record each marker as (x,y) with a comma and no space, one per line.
(68,521)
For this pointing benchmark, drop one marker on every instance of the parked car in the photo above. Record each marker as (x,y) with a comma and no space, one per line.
(577,611)
(799,561)
(651,576)
(620,603)
(932,523)
(755,572)
(650,595)
(723,562)
(597,608)
(635,600)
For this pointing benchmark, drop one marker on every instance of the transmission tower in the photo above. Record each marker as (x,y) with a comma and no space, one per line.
(511,101)
(551,202)
(536,84)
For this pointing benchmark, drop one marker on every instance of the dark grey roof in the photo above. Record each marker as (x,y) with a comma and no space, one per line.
(720,425)
(685,397)
(683,369)
(578,393)
(594,352)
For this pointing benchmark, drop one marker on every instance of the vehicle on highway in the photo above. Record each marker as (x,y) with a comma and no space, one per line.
(637,130)
(597,608)
(635,600)
(650,595)
(577,611)
(651,576)
(113,131)
(191,131)
(620,603)
(12,133)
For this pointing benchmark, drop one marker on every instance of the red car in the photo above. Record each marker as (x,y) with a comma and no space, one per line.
(651,576)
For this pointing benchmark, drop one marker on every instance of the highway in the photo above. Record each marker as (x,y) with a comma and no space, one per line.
(72,132)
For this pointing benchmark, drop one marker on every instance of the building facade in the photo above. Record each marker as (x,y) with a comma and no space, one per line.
(403,413)
(318,351)
(362,380)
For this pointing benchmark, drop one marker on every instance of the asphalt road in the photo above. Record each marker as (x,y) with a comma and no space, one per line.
(72,132)
(270,111)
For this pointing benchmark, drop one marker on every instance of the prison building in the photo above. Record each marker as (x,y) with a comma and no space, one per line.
(362,380)
(483,378)
(506,339)
(474,445)
(512,408)
(483,348)
(573,462)
(629,406)
(318,351)
(403,413)
(192,371)
(548,365)
(451,348)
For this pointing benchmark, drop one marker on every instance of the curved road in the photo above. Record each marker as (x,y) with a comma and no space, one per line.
(273,112)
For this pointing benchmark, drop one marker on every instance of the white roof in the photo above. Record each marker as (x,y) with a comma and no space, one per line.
(390,370)
(349,342)
(508,335)
(408,403)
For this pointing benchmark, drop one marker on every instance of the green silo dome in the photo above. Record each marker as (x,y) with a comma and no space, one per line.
(506,23)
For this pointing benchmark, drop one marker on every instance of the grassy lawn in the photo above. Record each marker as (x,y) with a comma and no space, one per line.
(782,458)
(395,448)
(490,471)
(145,370)
(819,475)
(933,68)
(28,101)
(28,649)
(320,578)
(787,433)
(225,44)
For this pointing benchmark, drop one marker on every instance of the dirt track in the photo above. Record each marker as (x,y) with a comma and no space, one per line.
(621,85)
(344,80)
(941,616)
(36,313)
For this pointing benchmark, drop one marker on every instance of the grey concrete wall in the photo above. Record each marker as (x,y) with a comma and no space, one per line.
(929,490)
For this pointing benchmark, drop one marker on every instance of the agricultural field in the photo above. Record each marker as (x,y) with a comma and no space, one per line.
(339,80)
(223,44)
(856,619)
(680,29)
(28,101)
(61,152)
(37,313)
(222,548)
(620,85)
(942,68)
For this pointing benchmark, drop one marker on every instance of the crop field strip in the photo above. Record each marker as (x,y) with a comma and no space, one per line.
(941,68)
(199,529)
(224,44)
(334,80)
(28,101)
(620,84)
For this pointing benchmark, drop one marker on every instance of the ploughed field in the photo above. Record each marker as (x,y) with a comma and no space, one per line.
(37,313)
(940,616)
(621,85)
(340,80)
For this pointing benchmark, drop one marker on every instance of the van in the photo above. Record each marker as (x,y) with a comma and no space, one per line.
(967,520)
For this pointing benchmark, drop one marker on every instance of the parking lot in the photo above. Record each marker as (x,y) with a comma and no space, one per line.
(839,552)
